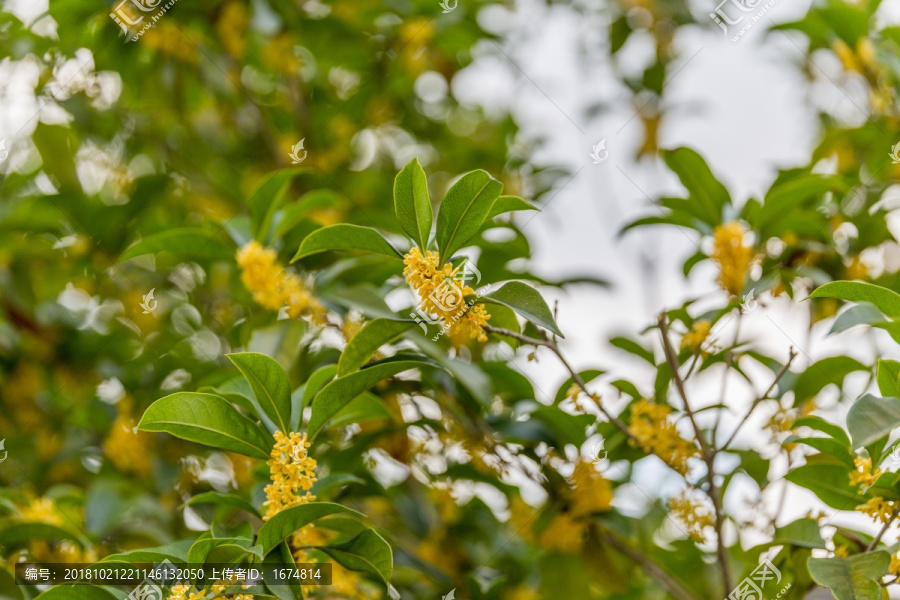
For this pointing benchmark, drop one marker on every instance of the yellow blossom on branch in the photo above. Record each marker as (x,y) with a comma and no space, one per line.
(695,514)
(273,287)
(864,473)
(292,471)
(655,433)
(437,288)
(564,533)
(878,508)
(591,491)
(733,255)
(125,448)
(693,339)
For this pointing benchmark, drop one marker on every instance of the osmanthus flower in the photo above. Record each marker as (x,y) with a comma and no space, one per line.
(693,339)
(183,592)
(292,471)
(894,568)
(422,273)
(41,510)
(565,533)
(864,473)
(591,492)
(125,448)
(655,433)
(696,515)
(272,286)
(878,508)
(218,588)
(733,255)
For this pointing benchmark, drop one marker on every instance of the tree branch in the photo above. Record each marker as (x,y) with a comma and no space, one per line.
(674,587)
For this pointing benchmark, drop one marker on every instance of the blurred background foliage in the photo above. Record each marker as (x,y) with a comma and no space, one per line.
(145,166)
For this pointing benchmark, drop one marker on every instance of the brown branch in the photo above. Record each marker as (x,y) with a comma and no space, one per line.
(765,395)
(884,529)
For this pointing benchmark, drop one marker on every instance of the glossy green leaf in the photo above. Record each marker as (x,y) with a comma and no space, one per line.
(822,373)
(267,196)
(337,394)
(829,481)
(412,204)
(706,192)
(176,552)
(190,243)
(820,424)
(368,552)
(852,577)
(526,301)
(270,384)
(227,499)
(367,341)
(206,419)
(885,300)
(289,520)
(345,237)
(505,204)
(872,418)
(316,382)
(463,209)
(888,375)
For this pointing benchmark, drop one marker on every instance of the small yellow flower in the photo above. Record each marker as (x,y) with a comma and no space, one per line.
(464,322)
(695,514)
(183,592)
(864,473)
(894,569)
(41,510)
(128,450)
(733,255)
(842,551)
(565,533)
(272,286)
(878,508)
(693,340)
(655,433)
(591,491)
(292,470)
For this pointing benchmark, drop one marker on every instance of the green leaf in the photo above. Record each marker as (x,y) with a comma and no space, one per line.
(706,192)
(566,428)
(337,394)
(270,384)
(888,376)
(76,592)
(853,577)
(633,347)
(176,552)
(267,196)
(206,419)
(526,301)
(218,550)
(367,341)
(276,560)
(823,372)
(803,533)
(189,242)
(820,424)
(871,418)
(412,203)
(316,382)
(885,300)
(829,481)
(505,204)
(286,522)
(368,552)
(463,209)
(222,498)
(345,237)
(19,533)
(828,446)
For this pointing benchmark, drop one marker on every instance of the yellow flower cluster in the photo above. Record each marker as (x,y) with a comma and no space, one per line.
(694,514)
(733,255)
(591,492)
(654,432)
(894,568)
(218,588)
(423,275)
(63,551)
(272,286)
(693,339)
(344,583)
(183,592)
(124,448)
(292,470)
(864,473)
(41,510)
(878,508)
(565,533)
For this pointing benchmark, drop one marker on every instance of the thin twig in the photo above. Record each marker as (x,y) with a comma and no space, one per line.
(791,356)
(884,529)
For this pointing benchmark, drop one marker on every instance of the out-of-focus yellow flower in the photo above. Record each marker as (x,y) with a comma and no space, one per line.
(695,514)
(278,54)
(842,551)
(878,508)
(433,284)
(128,450)
(564,533)
(857,269)
(292,470)
(521,516)
(654,432)
(64,551)
(693,339)
(272,286)
(733,255)
(521,592)
(894,569)
(231,27)
(41,510)
(415,36)
(352,325)
(218,588)
(864,473)
(168,39)
(591,491)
